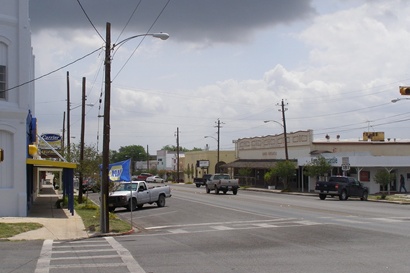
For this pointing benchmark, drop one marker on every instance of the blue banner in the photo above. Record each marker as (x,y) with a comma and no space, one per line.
(119,171)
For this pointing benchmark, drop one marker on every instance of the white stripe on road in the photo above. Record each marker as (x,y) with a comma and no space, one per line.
(126,256)
(43,263)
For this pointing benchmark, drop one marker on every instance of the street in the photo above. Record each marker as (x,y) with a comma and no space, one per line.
(248,232)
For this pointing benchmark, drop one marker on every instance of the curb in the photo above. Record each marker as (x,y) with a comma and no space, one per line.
(97,235)
(398,202)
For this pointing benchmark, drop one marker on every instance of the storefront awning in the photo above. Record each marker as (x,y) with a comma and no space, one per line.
(51,163)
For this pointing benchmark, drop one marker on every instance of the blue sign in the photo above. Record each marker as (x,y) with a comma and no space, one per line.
(119,171)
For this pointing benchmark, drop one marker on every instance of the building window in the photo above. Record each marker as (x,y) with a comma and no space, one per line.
(3,82)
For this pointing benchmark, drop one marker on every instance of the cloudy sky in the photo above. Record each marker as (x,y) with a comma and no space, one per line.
(336,64)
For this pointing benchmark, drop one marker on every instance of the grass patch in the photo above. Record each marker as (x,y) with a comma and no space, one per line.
(8,230)
(90,214)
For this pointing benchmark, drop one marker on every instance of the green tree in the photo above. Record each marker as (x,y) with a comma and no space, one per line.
(89,166)
(317,167)
(284,170)
(383,177)
(245,173)
(133,152)
(173,148)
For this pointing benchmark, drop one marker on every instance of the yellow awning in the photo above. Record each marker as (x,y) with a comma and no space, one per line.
(50,163)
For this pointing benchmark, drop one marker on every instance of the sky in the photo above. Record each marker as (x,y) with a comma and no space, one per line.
(335,64)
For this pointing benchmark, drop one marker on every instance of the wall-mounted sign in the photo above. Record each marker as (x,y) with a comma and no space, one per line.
(202,163)
(53,140)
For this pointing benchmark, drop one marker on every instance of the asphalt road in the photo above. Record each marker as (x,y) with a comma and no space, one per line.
(265,232)
(248,232)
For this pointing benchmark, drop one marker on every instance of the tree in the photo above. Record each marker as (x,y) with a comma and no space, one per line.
(284,170)
(383,177)
(133,152)
(89,166)
(317,167)
(172,148)
(245,173)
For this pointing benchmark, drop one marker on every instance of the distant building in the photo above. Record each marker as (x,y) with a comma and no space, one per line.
(361,158)
(198,163)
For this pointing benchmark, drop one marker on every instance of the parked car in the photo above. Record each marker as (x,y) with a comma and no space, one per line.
(342,186)
(90,185)
(154,178)
(201,181)
(143,176)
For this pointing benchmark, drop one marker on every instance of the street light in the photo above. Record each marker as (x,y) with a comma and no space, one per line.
(398,99)
(266,121)
(217,159)
(285,136)
(104,221)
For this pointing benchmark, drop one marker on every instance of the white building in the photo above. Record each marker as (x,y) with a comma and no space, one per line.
(364,157)
(168,160)
(16,103)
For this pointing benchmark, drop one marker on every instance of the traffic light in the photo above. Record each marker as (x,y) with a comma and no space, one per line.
(1,155)
(404,90)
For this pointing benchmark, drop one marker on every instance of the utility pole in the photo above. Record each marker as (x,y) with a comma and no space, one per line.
(147,160)
(81,177)
(104,221)
(177,155)
(62,141)
(218,140)
(284,128)
(68,117)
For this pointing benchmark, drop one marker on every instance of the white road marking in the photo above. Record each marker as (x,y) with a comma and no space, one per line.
(43,263)
(126,256)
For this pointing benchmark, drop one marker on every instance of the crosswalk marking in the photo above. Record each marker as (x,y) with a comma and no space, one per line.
(255,224)
(102,253)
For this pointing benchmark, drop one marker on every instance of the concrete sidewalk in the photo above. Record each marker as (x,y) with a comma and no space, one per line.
(58,224)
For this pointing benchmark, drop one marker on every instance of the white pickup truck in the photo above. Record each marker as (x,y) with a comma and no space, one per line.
(141,194)
(222,182)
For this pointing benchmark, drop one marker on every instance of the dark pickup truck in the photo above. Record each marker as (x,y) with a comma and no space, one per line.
(342,186)
(202,181)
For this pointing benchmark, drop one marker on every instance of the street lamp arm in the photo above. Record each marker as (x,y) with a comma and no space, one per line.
(160,35)
(398,99)
(210,137)
(87,104)
(266,121)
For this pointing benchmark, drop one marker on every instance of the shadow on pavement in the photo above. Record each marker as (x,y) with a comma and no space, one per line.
(45,204)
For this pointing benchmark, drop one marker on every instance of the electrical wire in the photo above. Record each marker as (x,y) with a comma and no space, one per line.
(129,19)
(142,40)
(53,71)
(89,20)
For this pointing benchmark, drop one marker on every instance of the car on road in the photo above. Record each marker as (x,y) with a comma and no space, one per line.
(222,182)
(155,179)
(342,186)
(133,195)
(142,176)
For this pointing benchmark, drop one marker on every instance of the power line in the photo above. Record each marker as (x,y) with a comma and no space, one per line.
(89,20)
(143,38)
(129,19)
(53,71)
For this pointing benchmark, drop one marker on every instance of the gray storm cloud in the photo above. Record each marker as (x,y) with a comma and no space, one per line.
(187,20)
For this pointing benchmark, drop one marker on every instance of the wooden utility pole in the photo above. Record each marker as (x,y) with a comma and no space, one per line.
(81,177)
(284,129)
(62,141)
(147,160)
(106,135)
(177,155)
(68,117)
